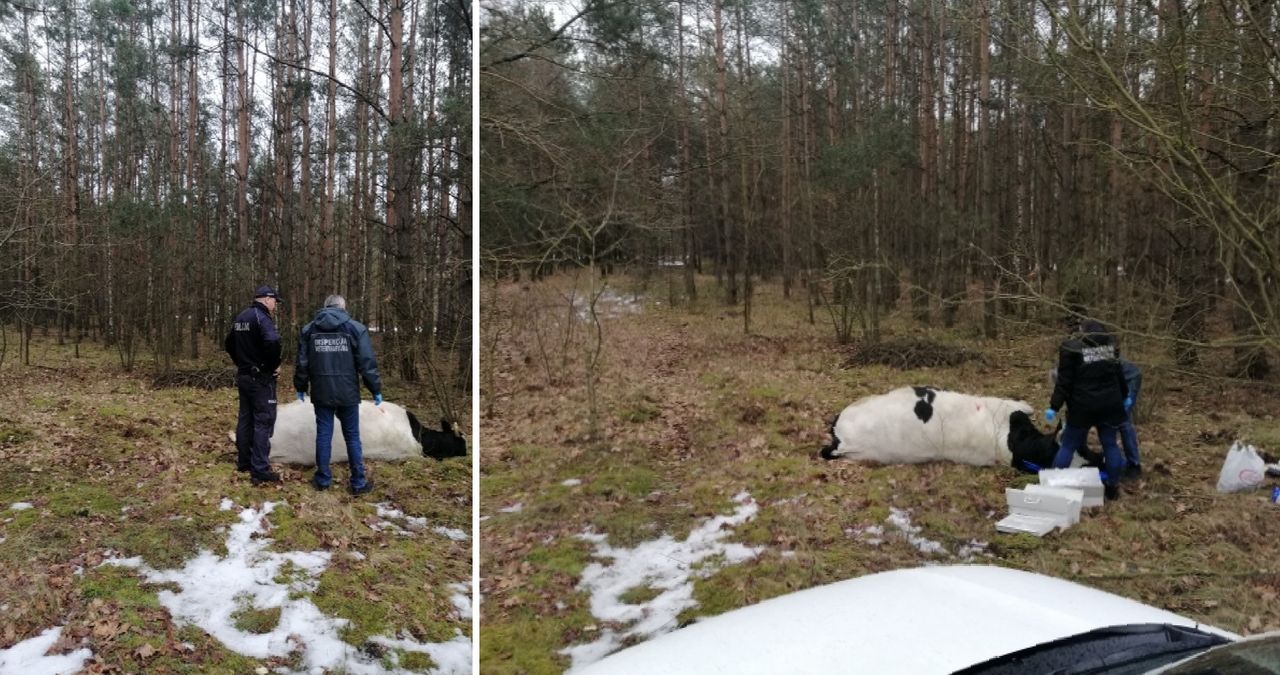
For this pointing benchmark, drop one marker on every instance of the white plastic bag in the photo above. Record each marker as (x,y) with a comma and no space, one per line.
(1244,469)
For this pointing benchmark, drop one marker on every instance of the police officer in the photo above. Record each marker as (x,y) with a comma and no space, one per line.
(334,353)
(1091,384)
(254,346)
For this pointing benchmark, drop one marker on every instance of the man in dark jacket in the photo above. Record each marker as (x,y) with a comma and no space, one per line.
(334,353)
(1091,384)
(254,345)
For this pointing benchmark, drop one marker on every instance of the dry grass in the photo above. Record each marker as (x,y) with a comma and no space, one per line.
(695,411)
(111,463)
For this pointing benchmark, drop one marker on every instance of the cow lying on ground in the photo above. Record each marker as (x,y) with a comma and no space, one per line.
(921,424)
(387,431)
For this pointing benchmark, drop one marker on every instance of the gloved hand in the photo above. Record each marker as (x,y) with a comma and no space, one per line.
(302,396)
(1049,414)
(377,399)
(1128,403)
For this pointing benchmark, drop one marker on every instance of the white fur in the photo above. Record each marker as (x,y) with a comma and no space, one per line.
(384,434)
(964,428)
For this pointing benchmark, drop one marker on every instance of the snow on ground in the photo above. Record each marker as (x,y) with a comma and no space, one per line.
(663,565)
(20,506)
(609,305)
(408,524)
(514,508)
(900,519)
(570,482)
(461,599)
(213,589)
(28,657)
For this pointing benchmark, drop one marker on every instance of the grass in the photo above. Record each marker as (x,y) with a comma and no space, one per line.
(694,411)
(113,466)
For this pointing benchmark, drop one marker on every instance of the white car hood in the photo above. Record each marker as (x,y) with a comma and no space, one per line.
(919,621)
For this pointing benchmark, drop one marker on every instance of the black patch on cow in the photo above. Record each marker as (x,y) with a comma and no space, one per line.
(829,450)
(924,407)
(1033,450)
(438,444)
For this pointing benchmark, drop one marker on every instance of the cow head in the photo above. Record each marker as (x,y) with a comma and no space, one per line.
(438,444)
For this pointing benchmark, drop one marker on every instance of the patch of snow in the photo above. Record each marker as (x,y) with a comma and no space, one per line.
(226,504)
(356,555)
(461,599)
(900,519)
(28,657)
(412,523)
(20,506)
(788,554)
(514,508)
(609,305)
(451,658)
(212,589)
(664,565)
(571,482)
(452,533)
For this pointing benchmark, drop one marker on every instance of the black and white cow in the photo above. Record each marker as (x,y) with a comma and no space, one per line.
(387,432)
(922,424)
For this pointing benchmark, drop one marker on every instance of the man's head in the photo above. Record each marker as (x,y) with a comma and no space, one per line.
(335,301)
(267,296)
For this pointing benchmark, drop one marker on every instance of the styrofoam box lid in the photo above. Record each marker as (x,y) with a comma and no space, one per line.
(1084,477)
(1074,495)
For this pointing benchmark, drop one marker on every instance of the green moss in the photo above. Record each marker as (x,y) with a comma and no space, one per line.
(252,620)
(416,662)
(118,584)
(639,594)
(82,500)
(527,643)
(13,433)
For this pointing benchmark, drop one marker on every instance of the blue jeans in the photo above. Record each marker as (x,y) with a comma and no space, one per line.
(349,417)
(1129,439)
(1073,438)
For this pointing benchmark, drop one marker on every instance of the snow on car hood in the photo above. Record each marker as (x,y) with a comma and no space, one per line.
(923,620)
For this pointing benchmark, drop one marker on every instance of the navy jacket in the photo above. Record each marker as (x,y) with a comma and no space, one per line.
(334,352)
(1090,381)
(1132,378)
(253,342)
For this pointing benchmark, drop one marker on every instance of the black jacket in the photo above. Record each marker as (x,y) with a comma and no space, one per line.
(1090,380)
(334,352)
(253,342)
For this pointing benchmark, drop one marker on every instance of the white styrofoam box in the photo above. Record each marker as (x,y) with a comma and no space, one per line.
(1074,495)
(1084,478)
(1038,514)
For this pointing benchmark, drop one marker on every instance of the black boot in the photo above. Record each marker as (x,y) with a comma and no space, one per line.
(260,478)
(1112,492)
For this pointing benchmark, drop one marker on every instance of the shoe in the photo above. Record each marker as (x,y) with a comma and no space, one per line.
(364,489)
(317,485)
(1132,472)
(260,478)
(242,469)
(1112,492)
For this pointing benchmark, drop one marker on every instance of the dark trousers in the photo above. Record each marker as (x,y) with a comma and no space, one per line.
(1073,438)
(256,422)
(1129,439)
(349,418)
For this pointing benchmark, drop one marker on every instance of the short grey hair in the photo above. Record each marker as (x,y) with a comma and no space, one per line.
(335,300)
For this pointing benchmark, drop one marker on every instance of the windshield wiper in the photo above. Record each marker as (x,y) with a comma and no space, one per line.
(1115,649)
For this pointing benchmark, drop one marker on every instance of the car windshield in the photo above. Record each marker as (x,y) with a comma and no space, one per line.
(1259,656)
(1118,650)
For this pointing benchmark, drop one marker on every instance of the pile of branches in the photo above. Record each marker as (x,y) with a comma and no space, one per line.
(906,354)
(199,378)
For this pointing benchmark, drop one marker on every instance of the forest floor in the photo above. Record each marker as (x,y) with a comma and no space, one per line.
(124,522)
(699,420)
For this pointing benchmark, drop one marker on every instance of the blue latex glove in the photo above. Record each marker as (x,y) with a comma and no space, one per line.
(1128,403)
(377,399)
(302,396)
(1049,414)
